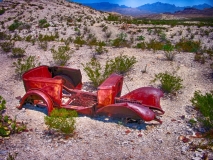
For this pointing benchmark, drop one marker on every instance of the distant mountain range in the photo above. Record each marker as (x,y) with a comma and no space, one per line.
(154,8)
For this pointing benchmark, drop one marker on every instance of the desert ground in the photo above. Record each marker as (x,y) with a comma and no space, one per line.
(102,137)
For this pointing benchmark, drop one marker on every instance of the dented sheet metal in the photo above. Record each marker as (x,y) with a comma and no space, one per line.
(61,87)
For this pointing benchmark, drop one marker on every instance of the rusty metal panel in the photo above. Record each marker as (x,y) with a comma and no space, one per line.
(37,94)
(47,83)
(109,89)
(71,74)
(41,71)
(52,87)
(148,96)
(134,111)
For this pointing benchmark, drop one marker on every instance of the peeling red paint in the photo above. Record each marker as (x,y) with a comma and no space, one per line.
(61,87)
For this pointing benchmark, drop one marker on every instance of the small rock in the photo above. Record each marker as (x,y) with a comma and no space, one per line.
(198,154)
(184,149)
(3,152)
(124,143)
(160,140)
(196,158)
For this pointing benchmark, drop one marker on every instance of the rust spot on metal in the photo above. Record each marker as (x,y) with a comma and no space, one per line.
(61,87)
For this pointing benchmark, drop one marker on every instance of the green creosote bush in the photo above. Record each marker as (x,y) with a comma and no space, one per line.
(12,156)
(188,45)
(43,45)
(141,45)
(7,125)
(169,51)
(211,66)
(16,37)
(163,37)
(28,38)
(155,45)
(94,71)
(62,55)
(97,74)
(24,64)
(15,25)
(2,11)
(43,23)
(31,39)
(4,36)
(199,58)
(68,41)
(78,40)
(100,49)
(7,46)
(112,17)
(169,82)
(141,38)
(192,122)
(91,40)
(122,63)
(120,41)
(204,104)
(18,52)
(62,120)
(48,38)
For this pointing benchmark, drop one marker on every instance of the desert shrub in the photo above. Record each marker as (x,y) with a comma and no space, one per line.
(48,37)
(188,45)
(2,11)
(211,66)
(92,40)
(198,57)
(140,38)
(120,41)
(24,26)
(31,39)
(43,45)
(78,40)
(100,49)
(155,45)
(169,51)
(4,36)
(122,63)
(210,53)
(7,125)
(112,17)
(7,46)
(28,38)
(169,82)
(204,103)
(16,37)
(62,120)
(18,52)
(68,41)
(94,71)
(97,74)
(141,45)
(15,25)
(43,23)
(62,55)
(24,64)
(162,36)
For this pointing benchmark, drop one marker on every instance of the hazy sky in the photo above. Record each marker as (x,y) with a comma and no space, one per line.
(136,3)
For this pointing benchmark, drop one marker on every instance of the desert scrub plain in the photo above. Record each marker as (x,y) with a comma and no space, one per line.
(52,33)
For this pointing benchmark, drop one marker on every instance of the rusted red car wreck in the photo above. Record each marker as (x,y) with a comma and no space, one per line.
(61,87)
